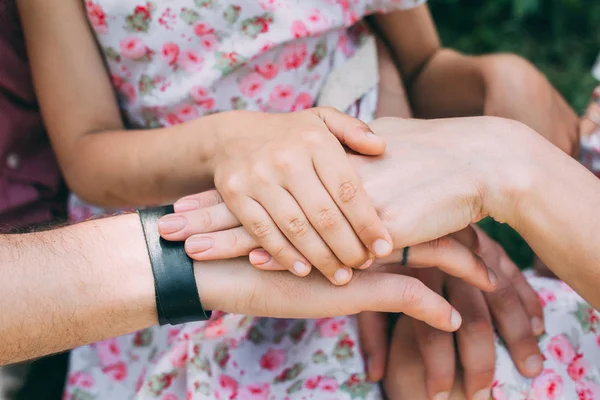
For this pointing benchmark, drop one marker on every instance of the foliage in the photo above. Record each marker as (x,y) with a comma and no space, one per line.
(561,37)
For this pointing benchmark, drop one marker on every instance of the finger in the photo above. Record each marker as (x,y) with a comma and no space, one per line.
(265,232)
(527,294)
(529,298)
(292,221)
(231,243)
(452,257)
(416,299)
(405,375)
(372,330)
(514,326)
(351,132)
(199,200)
(329,222)
(437,347)
(475,339)
(341,181)
(279,294)
(208,219)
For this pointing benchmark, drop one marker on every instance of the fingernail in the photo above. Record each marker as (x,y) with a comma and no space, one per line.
(442,396)
(456,319)
(534,364)
(492,277)
(366,264)
(171,224)
(259,257)
(186,205)
(301,268)
(537,326)
(198,244)
(483,394)
(381,248)
(342,276)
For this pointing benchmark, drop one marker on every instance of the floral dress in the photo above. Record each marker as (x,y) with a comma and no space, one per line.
(176,60)
(172,61)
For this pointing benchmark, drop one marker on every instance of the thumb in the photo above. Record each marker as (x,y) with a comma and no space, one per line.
(351,132)
(372,329)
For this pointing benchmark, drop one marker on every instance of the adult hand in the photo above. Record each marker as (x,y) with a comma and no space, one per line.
(234,287)
(216,225)
(515,89)
(514,308)
(287,179)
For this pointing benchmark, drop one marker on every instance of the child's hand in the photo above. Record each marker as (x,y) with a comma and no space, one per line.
(288,180)
(205,219)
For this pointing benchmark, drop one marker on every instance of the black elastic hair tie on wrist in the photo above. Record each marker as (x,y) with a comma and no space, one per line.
(177,299)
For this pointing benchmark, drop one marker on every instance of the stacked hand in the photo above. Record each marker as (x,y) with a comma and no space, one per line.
(288,181)
(208,218)
(422,362)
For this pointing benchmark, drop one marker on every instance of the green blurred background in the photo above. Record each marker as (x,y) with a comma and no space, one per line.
(561,37)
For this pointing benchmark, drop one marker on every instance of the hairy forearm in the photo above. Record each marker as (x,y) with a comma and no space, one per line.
(72,286)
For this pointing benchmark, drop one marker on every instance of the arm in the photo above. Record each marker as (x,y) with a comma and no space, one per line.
(84,283)
(85,126)
(489,166)
(440,82)
(443,83)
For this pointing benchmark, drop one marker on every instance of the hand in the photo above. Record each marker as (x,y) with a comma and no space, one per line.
(287,179)
(216,225)
(234,287)
(515,89)
(429,370)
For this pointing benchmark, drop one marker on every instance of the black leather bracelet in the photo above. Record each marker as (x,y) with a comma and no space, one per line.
(177,299)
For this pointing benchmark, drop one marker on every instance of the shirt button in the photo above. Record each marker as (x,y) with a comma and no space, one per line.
(13,161)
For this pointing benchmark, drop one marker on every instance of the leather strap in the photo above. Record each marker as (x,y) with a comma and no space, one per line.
(177,299)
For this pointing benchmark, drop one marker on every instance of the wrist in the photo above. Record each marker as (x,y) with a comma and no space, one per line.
(509,175)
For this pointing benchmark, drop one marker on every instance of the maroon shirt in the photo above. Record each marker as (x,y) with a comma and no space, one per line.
(31,190)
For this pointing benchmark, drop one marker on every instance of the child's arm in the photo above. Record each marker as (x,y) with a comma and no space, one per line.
(443,83)
(285,176)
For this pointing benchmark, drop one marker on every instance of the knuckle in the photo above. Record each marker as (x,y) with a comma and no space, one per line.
(327,219)
(259,229)
(480,370)
(477,327)
(412,293)
(441,244)
(298,227)
(260,173)
(234,239)
(347,191)
(314,138)
(232,184)
(284,160)
(205,220)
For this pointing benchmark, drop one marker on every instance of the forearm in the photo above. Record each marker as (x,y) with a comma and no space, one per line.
(146,166)
(450,85)
(558,213)
(440,82)
(72,286)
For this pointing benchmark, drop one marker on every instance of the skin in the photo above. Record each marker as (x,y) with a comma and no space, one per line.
(263,175)
(471,174)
